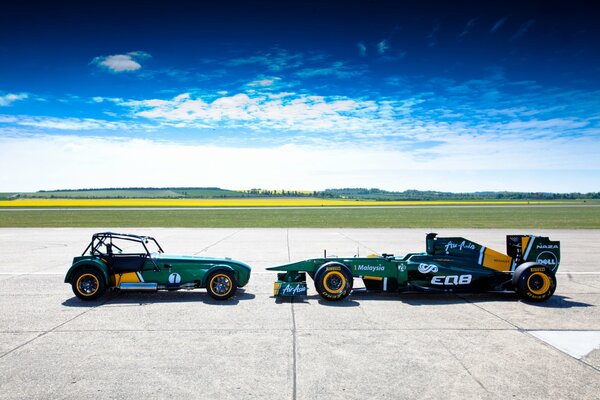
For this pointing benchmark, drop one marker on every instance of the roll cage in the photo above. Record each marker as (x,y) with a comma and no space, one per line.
(102,245)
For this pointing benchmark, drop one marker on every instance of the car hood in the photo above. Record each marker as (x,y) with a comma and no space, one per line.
(179,257)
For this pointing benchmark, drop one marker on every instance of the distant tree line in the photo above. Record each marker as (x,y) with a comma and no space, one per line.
(378,194)
(343,193)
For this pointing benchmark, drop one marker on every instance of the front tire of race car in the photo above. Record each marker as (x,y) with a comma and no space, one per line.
(88,284)
(534,282)
(221,285)
(333,281)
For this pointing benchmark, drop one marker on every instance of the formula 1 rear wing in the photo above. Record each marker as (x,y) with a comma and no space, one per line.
(538,249)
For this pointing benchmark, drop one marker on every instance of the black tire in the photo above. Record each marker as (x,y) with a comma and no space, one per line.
(221,285)
(88,284)
(534,282)
(333,281)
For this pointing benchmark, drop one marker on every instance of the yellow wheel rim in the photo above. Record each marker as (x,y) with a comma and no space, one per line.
(538,283)
(87,285)
(335,279)
(220,285)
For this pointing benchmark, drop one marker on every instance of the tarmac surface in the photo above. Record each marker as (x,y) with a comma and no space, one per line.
(186,345)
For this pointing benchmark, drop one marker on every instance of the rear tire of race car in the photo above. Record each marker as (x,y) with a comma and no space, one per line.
(88,284)
(221,285)
(534,282)
(333,281)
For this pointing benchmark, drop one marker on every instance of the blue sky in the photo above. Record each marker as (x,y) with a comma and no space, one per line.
(301,95)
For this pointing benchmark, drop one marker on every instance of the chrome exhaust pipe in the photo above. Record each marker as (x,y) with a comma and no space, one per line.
(141,286)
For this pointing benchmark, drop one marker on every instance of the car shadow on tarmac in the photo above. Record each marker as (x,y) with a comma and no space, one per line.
(431,299)
(140,298)
(347,302)
(418,299)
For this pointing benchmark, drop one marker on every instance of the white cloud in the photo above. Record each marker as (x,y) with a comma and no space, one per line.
(432,37)
(9,98)
(362,49)
(338,69)
(302,118)
(498,24)
(275,60)
(266,82)
(50,162)
(523,29)
(67,124)
(470,24)
(121,62)
(284,112)
(383,46)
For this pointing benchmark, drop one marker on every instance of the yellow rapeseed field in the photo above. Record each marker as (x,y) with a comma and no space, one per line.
(266,202)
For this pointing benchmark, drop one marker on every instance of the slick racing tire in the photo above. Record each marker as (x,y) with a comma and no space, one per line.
(333,281)
(88,284)
(534,282)
(221,285)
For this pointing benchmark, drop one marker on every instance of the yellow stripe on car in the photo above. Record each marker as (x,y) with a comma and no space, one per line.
(497,261)
(127,277)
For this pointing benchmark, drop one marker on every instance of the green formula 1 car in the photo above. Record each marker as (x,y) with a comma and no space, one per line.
(138,263)
(449,264)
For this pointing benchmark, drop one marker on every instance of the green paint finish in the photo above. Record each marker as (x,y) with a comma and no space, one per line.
(120,267)
(450,264)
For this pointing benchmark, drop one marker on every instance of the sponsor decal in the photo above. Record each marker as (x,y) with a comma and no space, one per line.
(451,280)
(547,258)
(459,246)
(174,278)
(427,268)
(546,246)
(293,290)
(371,268)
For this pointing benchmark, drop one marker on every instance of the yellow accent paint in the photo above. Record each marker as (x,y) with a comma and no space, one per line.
(276,288)
(339,274)
(524,243)
(497,261)
(256,202)
(87,294)
(215,277)
(374,278)
(545,287)
(126,277)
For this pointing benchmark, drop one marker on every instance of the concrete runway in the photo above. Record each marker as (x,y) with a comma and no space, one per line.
(185,345)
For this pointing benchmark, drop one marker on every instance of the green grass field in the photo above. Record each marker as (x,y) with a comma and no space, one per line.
(587,217)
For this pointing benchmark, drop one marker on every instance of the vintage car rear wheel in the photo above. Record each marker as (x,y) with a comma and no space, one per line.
(534,282)
(333,281)
(221,285)
(88,284)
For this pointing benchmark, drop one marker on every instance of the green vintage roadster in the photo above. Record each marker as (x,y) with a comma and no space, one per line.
(138,263)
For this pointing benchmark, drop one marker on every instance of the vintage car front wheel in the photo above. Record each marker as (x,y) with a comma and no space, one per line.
(88,284)
(221,285)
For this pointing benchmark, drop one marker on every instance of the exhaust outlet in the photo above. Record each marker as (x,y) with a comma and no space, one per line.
(141,287)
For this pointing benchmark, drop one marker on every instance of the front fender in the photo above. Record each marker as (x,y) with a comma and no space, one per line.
(219,267)
(90,263)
